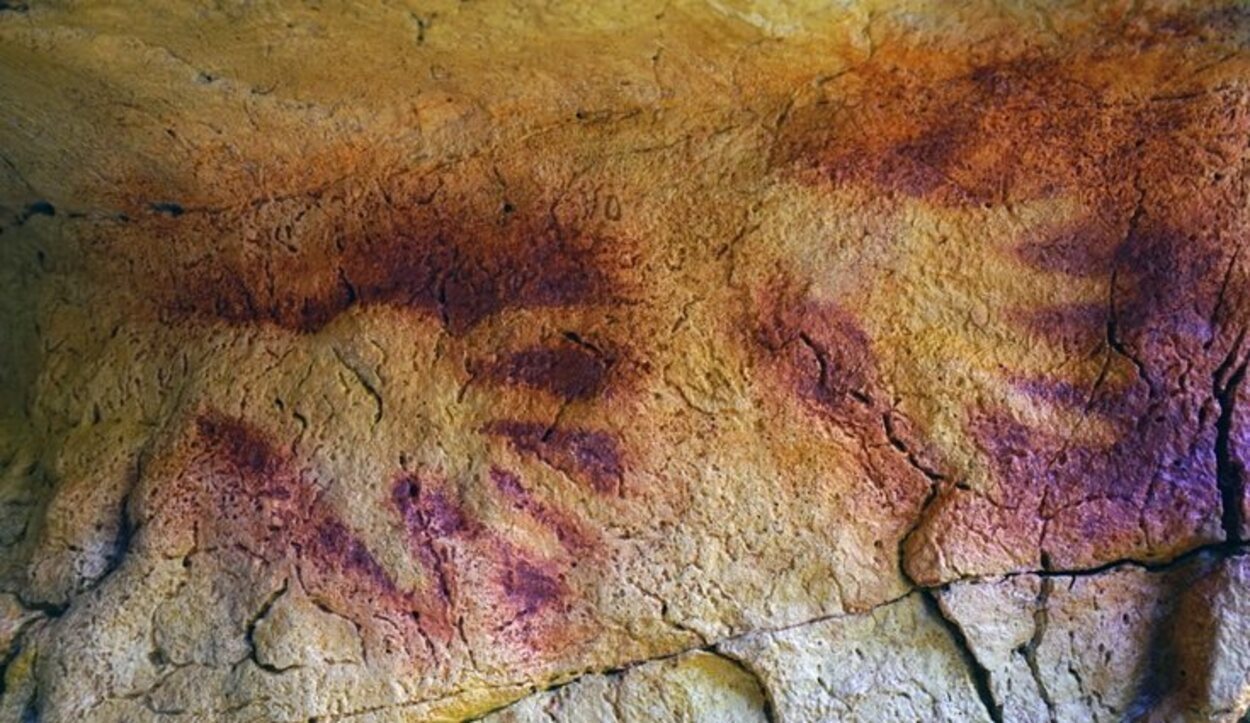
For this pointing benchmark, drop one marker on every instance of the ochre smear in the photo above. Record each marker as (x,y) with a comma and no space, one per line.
(567,370)
(240,489)
(589,455)
(1041,287)
(507,593)
(438,258)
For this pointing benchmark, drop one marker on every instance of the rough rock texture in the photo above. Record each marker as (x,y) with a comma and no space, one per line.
(898,662)
(698,686)
(1121,644)
(404,361)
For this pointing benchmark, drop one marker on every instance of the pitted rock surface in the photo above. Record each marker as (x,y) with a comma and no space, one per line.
(728,360)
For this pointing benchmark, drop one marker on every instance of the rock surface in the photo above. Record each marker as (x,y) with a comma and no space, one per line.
(1126,643)
(697,686)
(660,360)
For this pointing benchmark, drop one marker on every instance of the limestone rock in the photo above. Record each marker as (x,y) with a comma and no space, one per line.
(696,686)
(1123,644)
(879,358)
(899,662)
